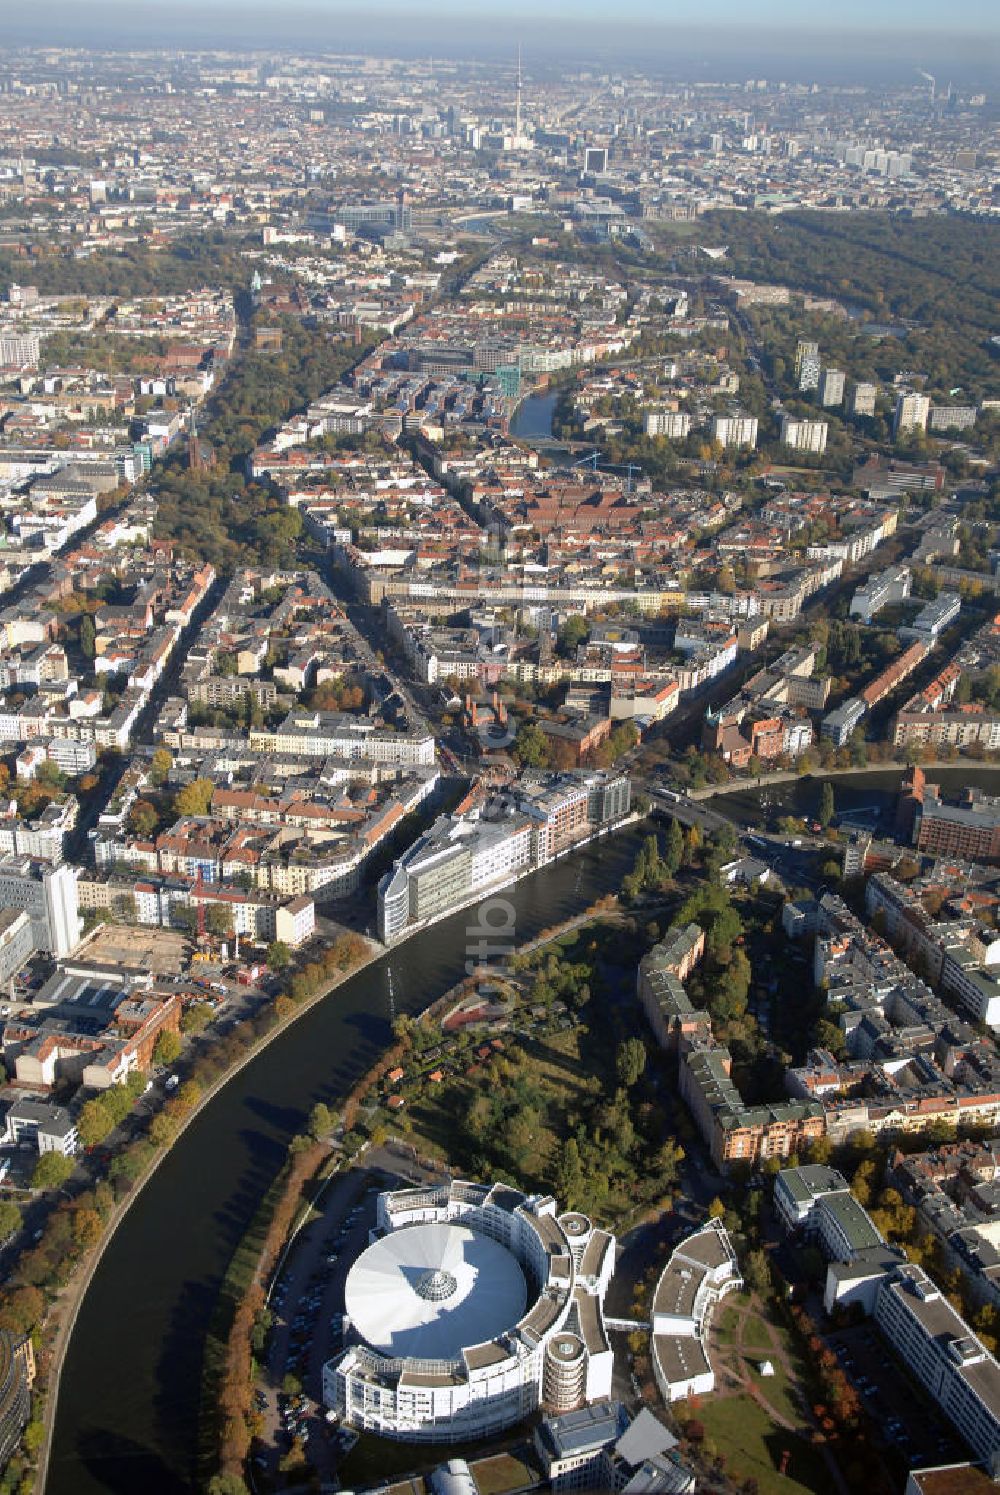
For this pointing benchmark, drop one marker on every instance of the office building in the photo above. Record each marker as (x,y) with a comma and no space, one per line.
(518,829)
(804,349)
(377,218)
(702,1269)
(597,1448)
(933,618)
(50,1128)
(969,829)
(48,895)
(807,364)
(937,1346)
(839,725)
(475,1304)
(953,417)
(16,943)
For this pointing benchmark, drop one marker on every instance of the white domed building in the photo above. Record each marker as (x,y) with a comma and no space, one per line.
(473,1305)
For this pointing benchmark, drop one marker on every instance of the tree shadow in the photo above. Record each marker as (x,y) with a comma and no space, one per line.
(120,1466)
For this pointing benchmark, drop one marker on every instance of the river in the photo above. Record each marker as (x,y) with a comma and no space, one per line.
(533,417)
(127,1417)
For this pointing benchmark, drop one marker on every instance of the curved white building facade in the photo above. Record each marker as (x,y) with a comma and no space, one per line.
(473,1305)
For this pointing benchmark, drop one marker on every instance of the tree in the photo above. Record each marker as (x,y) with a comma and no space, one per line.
(227,1484)
(572,634)
(167,1047)
(630,1061)
(23,1308)
(87,1228)
(532,748)
(10,1218)
(143,818)
(194,798)
(219,920)
(826,804)
(569,1175)
(160,767)
(321,1120)
(716,1209)
(95,1122)
(51,1171)
(88,636)
(162,1130)
(197,1018)
(757,1273)
(673,854)
(278,956)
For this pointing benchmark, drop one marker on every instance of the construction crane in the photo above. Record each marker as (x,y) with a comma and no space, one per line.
(594,462)
(199,904)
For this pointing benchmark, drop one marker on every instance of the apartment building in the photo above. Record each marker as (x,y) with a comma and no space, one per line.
(334,734)
(496,842)
(876,592)
(734,430)
(804,435)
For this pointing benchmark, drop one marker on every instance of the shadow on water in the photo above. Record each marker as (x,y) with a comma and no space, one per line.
(128,1409)
(121,1466)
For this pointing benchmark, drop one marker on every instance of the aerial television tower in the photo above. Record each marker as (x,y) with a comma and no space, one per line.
(517,112)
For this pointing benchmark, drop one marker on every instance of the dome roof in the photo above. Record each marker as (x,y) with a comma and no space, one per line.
(427,1292)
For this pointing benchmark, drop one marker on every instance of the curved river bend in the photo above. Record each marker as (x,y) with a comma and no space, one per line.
(128,1406)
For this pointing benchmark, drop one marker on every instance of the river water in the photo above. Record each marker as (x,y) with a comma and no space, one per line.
(128,1408)
(533,417)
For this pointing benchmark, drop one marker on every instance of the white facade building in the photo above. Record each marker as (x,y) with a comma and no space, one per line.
(911,414)
(49,896)
(474,1304)
(735,430)
(804,435)
(701,1270)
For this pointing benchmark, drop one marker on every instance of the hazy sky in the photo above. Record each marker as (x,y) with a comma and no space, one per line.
(856,40)
(982,16)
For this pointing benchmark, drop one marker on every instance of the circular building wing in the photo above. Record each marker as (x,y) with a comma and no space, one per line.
(427,1292)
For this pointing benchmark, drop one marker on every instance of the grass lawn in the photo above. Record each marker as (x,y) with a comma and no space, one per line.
(776,1390)
(725,1326)
(755,1335)
(753,1445)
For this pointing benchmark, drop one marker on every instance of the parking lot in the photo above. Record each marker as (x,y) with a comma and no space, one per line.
(307,1302)
(908,1423)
